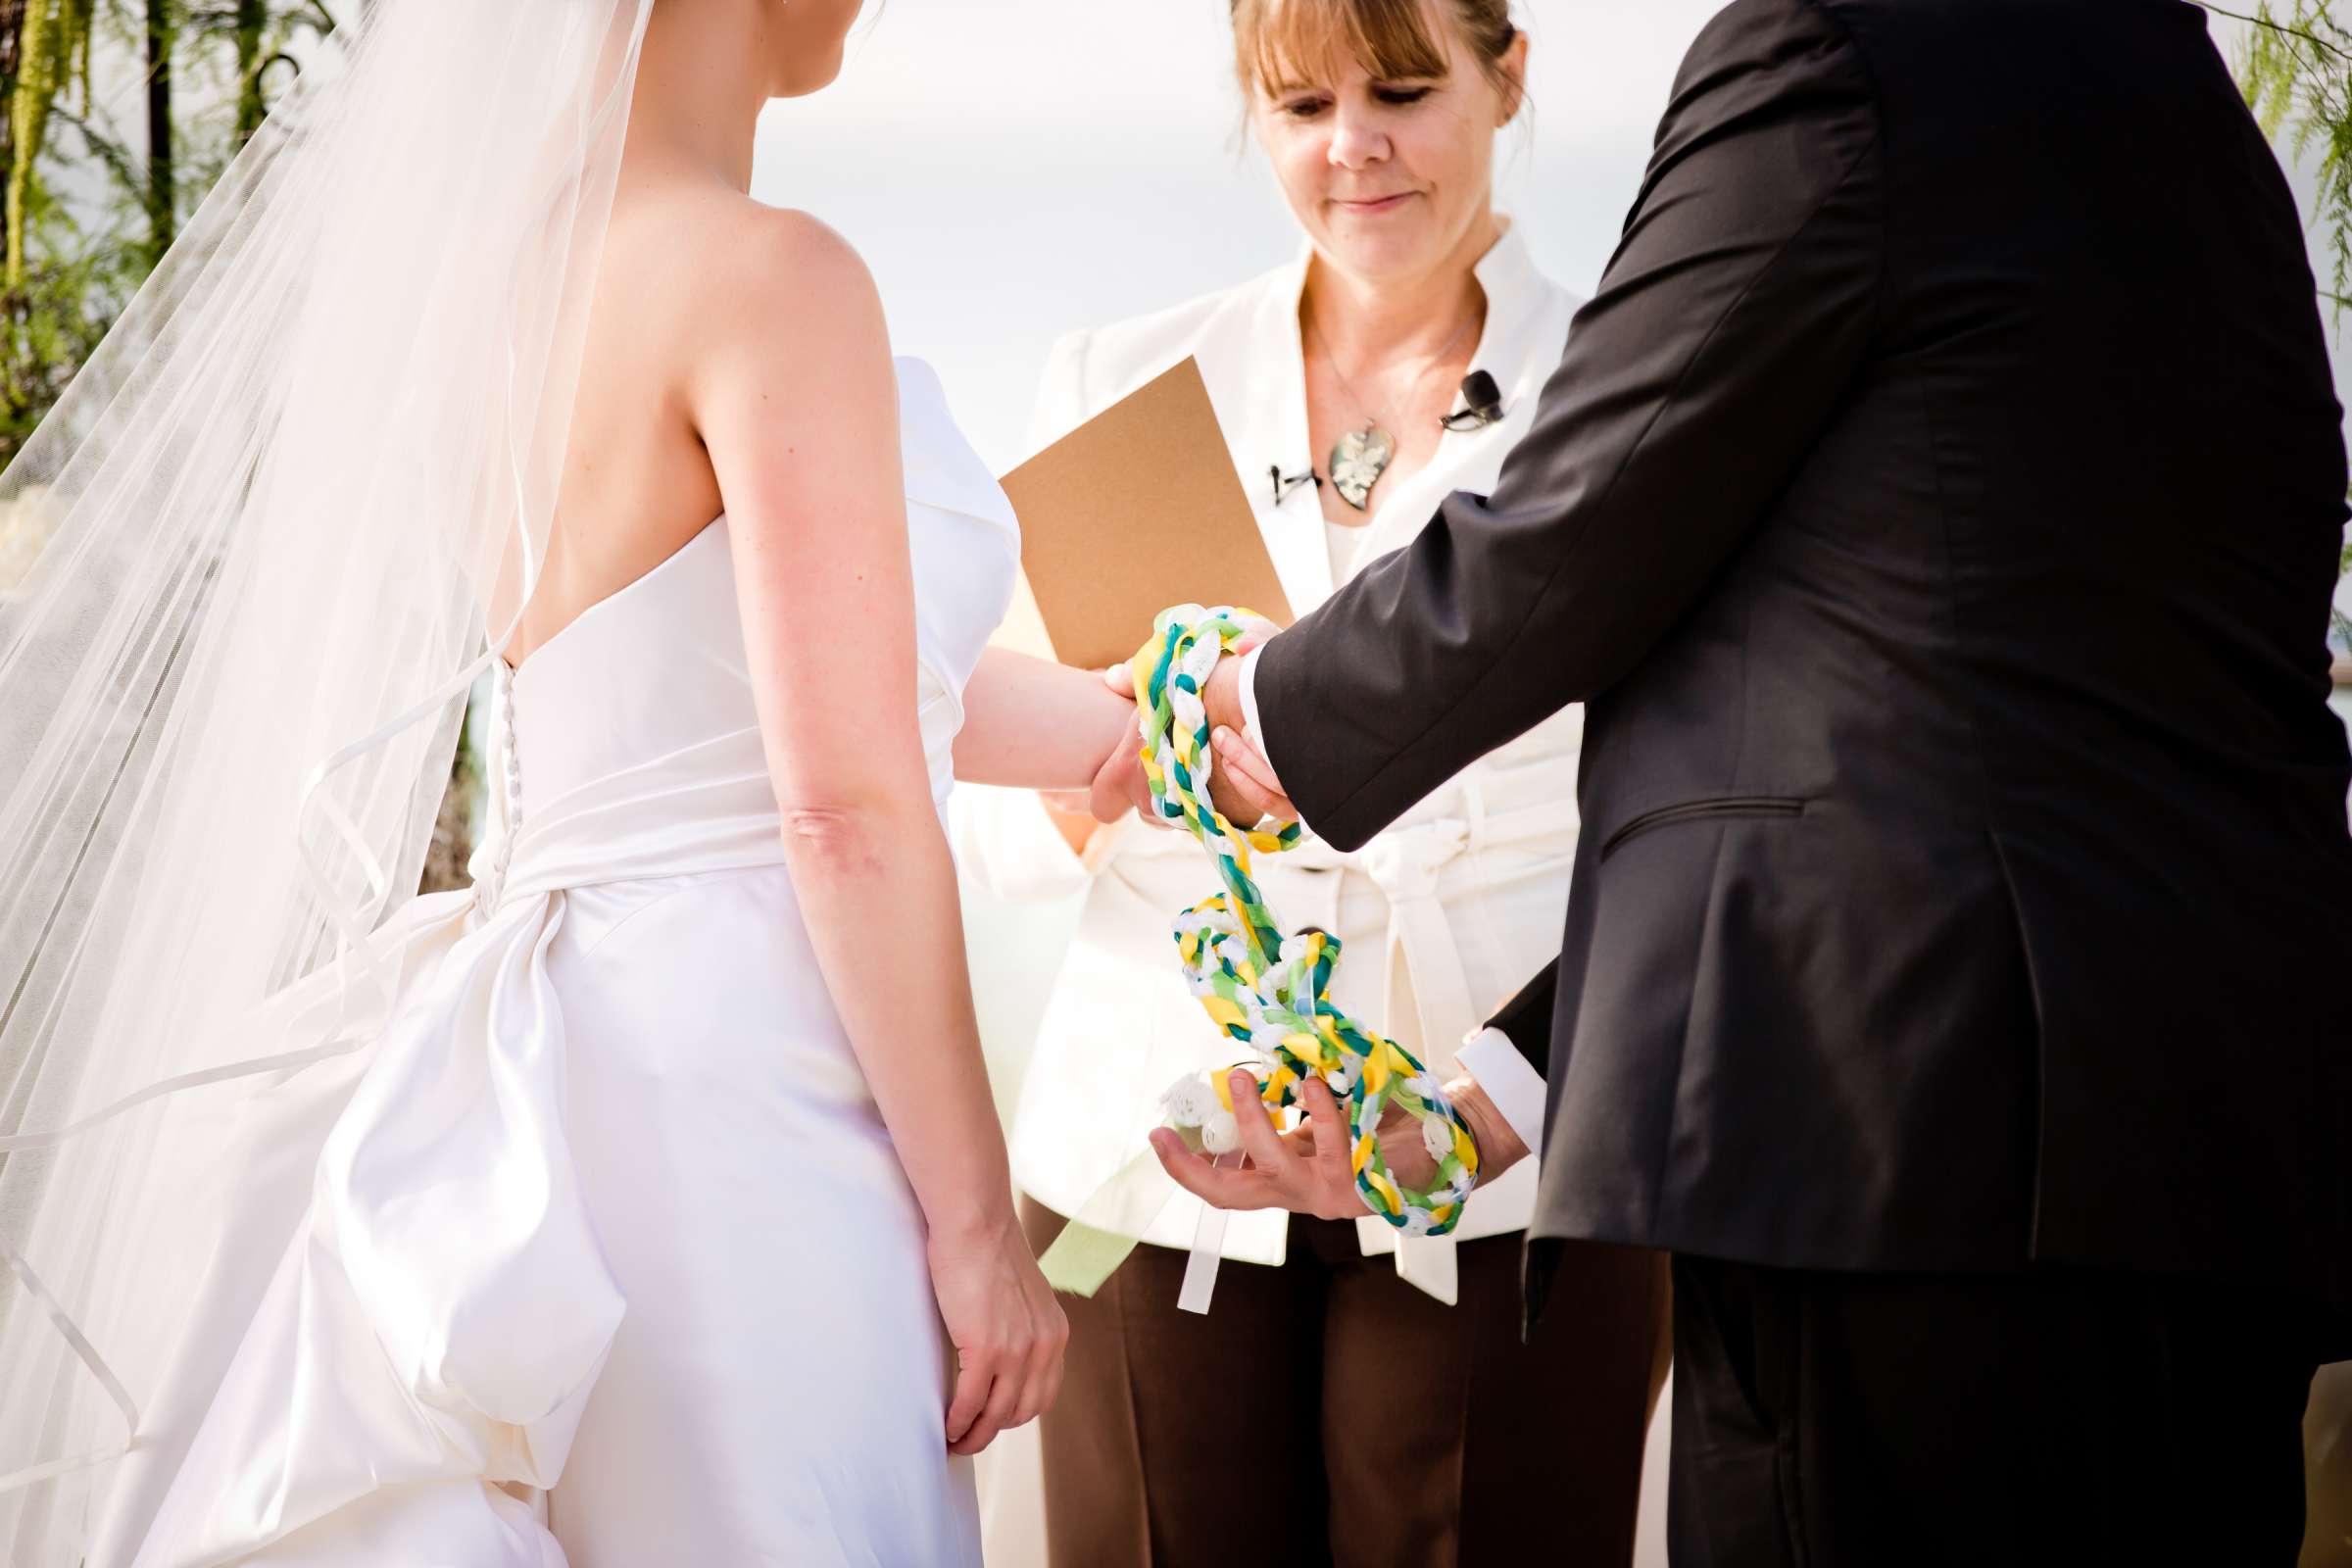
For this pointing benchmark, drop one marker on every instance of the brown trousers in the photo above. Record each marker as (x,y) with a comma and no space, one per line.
(1327,1413)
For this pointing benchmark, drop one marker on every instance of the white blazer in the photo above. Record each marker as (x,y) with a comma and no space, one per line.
(1442,917)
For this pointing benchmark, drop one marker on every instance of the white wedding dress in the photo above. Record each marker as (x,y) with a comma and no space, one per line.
(601,1254)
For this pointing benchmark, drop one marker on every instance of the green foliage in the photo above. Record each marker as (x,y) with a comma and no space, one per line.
(2344,623)
(90,202)
(53,50)
(2296,72)
(66,295)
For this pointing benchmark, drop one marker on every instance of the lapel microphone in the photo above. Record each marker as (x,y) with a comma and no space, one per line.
(1286,483)
(1484,400)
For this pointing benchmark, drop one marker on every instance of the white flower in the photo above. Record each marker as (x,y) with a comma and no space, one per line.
(1189,1101)
(1220,1134)
(1191,718)
(1437,1135)
(1197,661)
(1416,1222)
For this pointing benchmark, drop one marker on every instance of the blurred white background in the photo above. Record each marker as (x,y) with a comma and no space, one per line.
(1016,169)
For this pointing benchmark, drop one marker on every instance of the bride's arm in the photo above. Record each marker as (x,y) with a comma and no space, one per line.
(1034,724)
(794,396)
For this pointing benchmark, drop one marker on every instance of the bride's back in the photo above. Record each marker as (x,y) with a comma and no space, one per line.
(637,480)
(692,270)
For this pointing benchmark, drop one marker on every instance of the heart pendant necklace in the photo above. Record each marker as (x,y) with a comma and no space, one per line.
(1357,461)
(1361,456)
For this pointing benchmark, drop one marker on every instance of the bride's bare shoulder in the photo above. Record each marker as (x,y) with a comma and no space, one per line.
(801,246)
(772,322)
(753,272)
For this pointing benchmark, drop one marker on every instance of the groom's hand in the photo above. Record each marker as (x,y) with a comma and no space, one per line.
(1242,784)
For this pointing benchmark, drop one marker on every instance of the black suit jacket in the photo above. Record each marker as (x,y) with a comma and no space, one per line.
(1936,506)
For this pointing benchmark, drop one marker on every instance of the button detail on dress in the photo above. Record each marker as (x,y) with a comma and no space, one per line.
(490,881)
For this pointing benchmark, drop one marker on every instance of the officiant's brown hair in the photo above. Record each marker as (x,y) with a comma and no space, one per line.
(1273,39)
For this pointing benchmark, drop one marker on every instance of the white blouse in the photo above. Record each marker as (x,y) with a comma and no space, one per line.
(1346,543)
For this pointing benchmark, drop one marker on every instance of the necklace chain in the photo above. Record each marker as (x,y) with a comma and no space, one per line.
(1387,413)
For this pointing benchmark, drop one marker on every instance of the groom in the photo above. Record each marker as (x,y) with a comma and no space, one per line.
(1938,508)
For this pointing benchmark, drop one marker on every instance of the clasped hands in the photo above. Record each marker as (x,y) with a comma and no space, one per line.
(1241,785)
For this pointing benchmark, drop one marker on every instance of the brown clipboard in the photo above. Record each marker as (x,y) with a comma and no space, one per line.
(1136,509)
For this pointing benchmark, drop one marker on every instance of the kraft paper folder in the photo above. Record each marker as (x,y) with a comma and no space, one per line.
(1136,509)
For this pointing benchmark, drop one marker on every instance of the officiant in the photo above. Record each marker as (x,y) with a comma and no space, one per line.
(1394,362)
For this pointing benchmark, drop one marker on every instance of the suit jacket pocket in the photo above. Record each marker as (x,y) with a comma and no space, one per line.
(1726,806)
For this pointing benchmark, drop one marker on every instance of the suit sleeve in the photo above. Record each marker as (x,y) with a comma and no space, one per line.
(1511,1055)
(1527,1017)
(1734,313)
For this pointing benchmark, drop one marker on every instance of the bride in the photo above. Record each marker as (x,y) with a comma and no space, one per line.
(645,1201)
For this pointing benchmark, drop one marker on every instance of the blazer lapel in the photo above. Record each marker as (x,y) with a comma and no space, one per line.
(1273,436)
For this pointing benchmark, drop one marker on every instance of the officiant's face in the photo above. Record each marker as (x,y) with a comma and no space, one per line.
(1388,174)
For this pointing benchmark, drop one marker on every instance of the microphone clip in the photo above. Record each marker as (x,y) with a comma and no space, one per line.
(1286,483)
(1483,401)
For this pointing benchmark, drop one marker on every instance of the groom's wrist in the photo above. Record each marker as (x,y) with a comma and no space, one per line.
(1499,1146)
(1245,686)
(1222,699)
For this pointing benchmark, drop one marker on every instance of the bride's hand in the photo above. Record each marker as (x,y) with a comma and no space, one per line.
(1007,1330)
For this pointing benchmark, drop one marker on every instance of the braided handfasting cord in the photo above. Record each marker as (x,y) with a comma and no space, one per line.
(1271,992)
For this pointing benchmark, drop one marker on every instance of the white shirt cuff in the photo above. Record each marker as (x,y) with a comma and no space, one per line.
(1251,731)
(1510,1082)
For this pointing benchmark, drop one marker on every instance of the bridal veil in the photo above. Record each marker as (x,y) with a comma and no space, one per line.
(281,521)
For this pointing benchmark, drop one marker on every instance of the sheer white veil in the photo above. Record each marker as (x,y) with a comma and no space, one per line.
(277,527)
